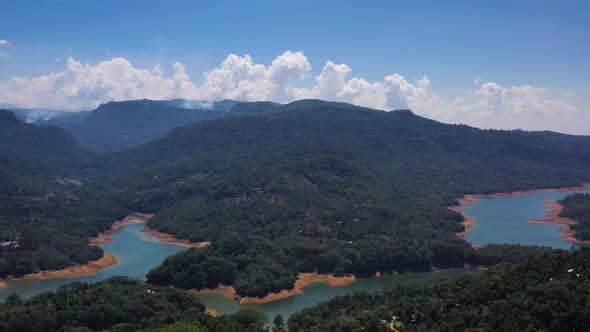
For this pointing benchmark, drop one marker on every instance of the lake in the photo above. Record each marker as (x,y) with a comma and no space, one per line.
(505,220)
(319,291)
(499,220)
(137,252)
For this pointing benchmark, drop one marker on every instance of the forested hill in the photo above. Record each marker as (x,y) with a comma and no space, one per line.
(28,143)
(122,125)
(397,137)
(332,187)
(46,216)
(119,304)
(577,207)
(546,293)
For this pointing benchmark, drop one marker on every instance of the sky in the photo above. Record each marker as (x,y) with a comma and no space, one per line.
(490,64)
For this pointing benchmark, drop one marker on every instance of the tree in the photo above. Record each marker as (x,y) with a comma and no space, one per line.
(278,323)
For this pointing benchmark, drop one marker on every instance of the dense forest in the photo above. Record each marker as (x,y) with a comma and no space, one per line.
(544,293)
(46,217)
(307,186)
(119,304)
(330,188)
(577,207)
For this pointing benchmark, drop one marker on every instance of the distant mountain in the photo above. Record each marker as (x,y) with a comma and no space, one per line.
(122,125)
(375,135)
(36,115)
(31,143)
(253,109)
(223,105)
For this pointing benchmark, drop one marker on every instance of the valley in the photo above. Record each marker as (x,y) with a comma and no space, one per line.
(275,197)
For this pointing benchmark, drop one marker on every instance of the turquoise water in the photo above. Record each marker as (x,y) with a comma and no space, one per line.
(320,291)
(499,220)
(505,220)
(136,251)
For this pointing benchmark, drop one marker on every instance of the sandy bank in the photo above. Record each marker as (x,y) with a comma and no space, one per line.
(476,197)
(107,259)
(554,217)
(132,219)
(227,291)
(211,312)
(304,280)
(469,223)
(168,238)
(91,267)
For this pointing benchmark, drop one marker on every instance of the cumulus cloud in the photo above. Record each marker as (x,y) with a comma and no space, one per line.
(240,78)
(83,85)
(4,42)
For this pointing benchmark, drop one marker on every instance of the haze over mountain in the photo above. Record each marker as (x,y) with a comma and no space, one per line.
(310,186)
(120,125)
(31,143)
(264,146)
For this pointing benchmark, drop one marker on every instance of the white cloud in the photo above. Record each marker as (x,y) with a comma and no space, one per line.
(240,78)
(82,85)
(4,42)
(3,55)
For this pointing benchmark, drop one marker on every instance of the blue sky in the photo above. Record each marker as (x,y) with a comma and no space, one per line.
(544,44)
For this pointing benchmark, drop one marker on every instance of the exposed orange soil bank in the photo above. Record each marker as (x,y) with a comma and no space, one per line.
(304,280)
(211,312)
(107,259)
(227,291)
(470,222)
(167,238)
(132,219)
(91,267)
(553,217)
(140,218)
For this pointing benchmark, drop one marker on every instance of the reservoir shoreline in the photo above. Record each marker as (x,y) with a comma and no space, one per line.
(303,280)
(107,260)
(552,215)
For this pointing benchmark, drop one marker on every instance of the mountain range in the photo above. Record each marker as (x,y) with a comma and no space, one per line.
(120,125)
(309,186)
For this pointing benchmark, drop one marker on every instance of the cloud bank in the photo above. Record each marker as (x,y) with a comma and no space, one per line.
(487,104)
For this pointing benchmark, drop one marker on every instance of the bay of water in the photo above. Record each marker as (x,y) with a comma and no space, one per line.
(499,220)
(137,252)
(320,291)
(505,220)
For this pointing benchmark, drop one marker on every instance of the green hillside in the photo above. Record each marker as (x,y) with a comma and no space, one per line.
(325,186)
(545,293)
